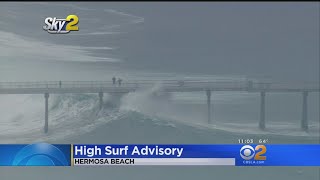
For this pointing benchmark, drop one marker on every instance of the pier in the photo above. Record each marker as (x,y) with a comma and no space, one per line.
(101,87)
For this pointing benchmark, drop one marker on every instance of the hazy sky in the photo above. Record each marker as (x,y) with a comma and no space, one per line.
(277,40)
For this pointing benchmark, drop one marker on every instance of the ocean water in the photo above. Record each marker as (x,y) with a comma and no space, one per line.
(142,118)
(137,117)
(232,112)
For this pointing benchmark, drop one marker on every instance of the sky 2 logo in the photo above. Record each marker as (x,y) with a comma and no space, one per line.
(61,26)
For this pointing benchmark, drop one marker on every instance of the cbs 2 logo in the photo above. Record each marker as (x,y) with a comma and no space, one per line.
(247,152)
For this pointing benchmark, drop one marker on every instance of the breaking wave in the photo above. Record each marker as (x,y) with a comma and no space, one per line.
(22,117)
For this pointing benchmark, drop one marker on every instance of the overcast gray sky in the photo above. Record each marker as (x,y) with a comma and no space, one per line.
(277,40)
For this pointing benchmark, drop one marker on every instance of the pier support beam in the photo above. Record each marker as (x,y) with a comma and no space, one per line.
(304,121)
(208,92)
(46,122)
(100,100)
(262,123)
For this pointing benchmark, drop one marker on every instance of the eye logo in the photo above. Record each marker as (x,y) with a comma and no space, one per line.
(247,152)
(41,154)
(61,26)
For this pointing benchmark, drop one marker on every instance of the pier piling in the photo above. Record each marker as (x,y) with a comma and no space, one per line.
(46,122)
(304,121)
(262,123)
(100,100)
(208,92)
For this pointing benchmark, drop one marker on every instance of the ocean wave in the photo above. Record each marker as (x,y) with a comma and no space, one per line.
(72,115)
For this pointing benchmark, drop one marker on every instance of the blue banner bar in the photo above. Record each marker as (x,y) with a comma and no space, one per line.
(44,154)
(155,151)
(245,155)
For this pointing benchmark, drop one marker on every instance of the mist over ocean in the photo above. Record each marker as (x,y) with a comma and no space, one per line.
(277,42)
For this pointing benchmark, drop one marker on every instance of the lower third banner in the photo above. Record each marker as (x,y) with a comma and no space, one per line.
(43,154)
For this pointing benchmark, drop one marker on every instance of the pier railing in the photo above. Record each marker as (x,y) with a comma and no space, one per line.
(228,85)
